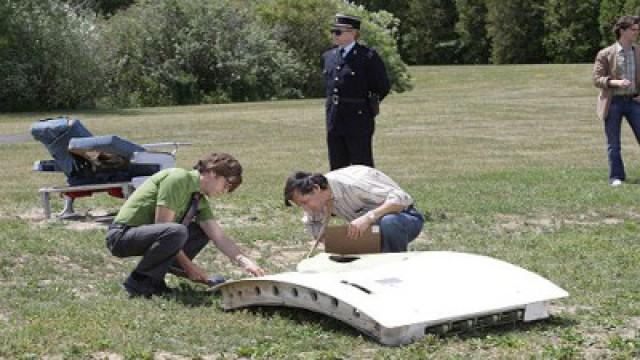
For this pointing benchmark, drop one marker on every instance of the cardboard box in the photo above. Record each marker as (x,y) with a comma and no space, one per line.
(336,241)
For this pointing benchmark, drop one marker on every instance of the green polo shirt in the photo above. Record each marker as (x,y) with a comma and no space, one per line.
(172,188)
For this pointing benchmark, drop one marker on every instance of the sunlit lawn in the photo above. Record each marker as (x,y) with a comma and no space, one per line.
(508,161)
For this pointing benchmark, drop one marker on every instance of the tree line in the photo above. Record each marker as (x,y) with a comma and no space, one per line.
(503,31)
(66,54)
(57,54)
(487,31)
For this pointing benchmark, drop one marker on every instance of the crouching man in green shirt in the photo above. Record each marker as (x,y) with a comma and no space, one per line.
(168,220)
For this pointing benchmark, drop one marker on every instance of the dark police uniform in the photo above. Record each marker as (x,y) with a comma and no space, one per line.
(349,117)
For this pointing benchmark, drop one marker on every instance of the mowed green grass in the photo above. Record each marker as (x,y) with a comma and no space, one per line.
(507,161)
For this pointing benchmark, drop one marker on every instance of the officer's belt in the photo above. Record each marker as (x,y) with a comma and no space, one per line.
(337,100)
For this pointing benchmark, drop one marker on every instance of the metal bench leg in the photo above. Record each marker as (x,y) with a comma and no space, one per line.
(45,205)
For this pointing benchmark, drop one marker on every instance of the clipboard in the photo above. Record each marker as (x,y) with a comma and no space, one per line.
(336,241)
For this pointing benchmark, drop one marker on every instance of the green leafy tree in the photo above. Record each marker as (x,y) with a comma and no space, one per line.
(380,31)
(104,7)
(387,5)
(303,25)
(571,30)
(48,58)
(315,17)
(610,11)
(472,31)
(516,30)
(193,51)
(4,23)
(399,9)
(632,7)
(429,36)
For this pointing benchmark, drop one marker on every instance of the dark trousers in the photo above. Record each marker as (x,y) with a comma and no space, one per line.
(345,150)
(158,245)
(620,107)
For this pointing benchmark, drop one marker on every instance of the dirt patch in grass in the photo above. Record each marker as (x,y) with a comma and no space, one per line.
(592,353)
(53,357)
(506,223)
(423,241)
(162,355)
(105,356)
(285,258)
(31,215)
(557,309)
(92,220)
(85,226)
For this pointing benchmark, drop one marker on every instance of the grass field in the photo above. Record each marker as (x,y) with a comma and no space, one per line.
(508,161)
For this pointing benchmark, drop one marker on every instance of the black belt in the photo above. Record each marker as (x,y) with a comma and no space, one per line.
(335,99)
(118,226)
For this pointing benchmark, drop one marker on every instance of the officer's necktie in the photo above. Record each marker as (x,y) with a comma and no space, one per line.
(342,53)
(193,209)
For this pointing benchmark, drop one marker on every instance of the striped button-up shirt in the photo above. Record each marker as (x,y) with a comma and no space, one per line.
(356,190)
(626,69)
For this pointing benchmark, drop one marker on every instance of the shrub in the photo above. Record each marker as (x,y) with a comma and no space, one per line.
(472,31)
(48,58)
(192,51)
(516,29)
(571,30)
(304,26)
(430,36)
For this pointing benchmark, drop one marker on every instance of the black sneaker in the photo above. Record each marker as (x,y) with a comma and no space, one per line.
(160,288)
(216,280)
(137,288)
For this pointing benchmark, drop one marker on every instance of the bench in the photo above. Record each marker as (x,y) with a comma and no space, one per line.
(93,164)
(122,190)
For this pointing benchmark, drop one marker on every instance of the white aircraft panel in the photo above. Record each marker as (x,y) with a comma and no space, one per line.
(397,298)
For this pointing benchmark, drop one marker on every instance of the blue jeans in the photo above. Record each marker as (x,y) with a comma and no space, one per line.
(630,109)
(399,229)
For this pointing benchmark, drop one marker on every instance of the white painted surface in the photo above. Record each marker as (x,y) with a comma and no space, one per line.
(394,297)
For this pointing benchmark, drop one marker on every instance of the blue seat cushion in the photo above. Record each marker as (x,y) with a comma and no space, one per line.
(55,134)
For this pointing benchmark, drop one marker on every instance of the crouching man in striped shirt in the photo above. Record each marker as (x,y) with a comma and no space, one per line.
(363,196)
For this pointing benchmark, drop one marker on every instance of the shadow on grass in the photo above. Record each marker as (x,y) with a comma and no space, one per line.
(304,317)
(195,296)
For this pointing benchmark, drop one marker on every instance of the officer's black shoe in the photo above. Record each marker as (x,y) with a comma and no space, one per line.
(137,288)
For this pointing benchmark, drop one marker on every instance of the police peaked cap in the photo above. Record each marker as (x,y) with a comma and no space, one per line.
(347,21)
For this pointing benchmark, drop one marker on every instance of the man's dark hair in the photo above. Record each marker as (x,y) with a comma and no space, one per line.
(223,165)
(304,183)
(624,23)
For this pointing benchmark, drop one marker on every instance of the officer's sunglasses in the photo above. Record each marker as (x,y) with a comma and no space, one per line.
(338,32)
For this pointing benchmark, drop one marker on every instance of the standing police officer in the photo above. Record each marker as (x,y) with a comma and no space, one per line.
(355,82)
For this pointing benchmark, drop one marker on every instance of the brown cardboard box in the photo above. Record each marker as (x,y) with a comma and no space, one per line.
(336,241)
